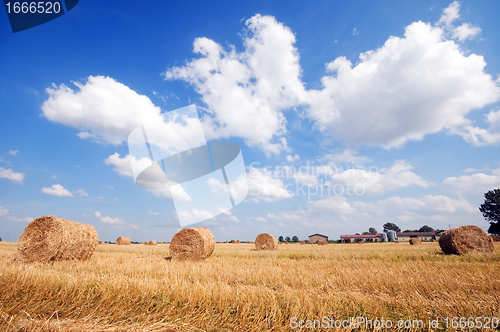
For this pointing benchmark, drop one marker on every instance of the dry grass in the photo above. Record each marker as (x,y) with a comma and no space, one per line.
(134,288)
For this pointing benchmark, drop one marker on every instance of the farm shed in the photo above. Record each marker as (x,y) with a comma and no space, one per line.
(317,237)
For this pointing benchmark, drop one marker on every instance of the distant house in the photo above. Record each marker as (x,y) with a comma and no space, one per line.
(361,238)
(317,237)
(423,236)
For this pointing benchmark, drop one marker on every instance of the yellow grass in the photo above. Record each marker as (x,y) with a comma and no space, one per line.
(134,288)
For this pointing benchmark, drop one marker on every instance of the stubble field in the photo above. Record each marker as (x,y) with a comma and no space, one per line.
(135,288)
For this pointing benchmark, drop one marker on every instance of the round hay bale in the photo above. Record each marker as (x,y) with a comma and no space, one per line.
(465,239)
(123,241)
(302,242)
(192,244)
(322,242)
(152,243)
(287,242)
(414,241)
(495,238)
(360,242)
(266,241)
(49,238)
(237,242)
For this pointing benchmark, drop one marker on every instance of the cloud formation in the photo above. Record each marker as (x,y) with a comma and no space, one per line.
(57,190)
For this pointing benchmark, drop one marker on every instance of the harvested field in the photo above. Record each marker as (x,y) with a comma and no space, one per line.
(134,288)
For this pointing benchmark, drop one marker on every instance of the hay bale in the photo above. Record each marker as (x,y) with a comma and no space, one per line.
(237,242)
(302,242)
(266,241)
(414,241)
(49,238)
(433,240)
(287,242)
(192,244)
(322,242)
(361,242)
(151,243)
(495,238)
(123,241)
(465,239)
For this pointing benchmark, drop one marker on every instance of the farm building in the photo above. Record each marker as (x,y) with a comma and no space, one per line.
(423,236)
(317,237)
(361,238)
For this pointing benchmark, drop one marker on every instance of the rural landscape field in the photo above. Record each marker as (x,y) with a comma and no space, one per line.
(137,288)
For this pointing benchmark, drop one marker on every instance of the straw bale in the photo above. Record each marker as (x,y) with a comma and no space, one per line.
(415,240)
(192,244)
(49,238)
(465,239)
(495,238)
(237,242)
(302,242)
(151,243)
(266,241)
(123,241)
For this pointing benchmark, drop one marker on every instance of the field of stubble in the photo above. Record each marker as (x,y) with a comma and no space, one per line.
(134,288)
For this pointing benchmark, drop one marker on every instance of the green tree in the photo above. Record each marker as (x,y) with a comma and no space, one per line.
(491,210)
(281,238)
(365,233)
(295,238)
(391,227)
(426,228)
(372,231)
(287,239)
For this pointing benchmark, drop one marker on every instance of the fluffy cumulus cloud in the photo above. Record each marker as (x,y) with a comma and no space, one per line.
(246,93)
(108,111)
(11,175)
(81,193)
(372,181)
(263,185)
(474,185)
(57,190)
(109,220)
(410,87)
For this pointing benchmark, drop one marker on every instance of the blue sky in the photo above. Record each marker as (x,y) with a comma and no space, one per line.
(393,105)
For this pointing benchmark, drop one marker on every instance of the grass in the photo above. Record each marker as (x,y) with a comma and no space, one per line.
(134,288)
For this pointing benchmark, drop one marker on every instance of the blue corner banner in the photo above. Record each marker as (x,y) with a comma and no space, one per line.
(28,14)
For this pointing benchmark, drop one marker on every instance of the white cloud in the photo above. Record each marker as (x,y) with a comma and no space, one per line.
(109,220)
(373,181)
(153,213)
(264,186)
(3,211)
(11,175)
(246,93)
(479,136)
(123,166)
(57,190)
(408,88)
(292,159)
(195,214)
(347,156)
(333,204)
(260,219)
(474,185)
(81,192)
(108,111)
(450,14)
(462,32)
(13,152)
(355,32)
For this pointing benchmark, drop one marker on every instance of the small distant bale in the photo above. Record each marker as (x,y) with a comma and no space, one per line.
(266,241)
(433,240)
(237,242)
(287,242)
(414,241)
(302,242)
(192,244)
(151,243)
(396,241)
(465,239)
(361,242)
(48,239)
(322,242)
(495,238)
(280,242)
(124,241)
